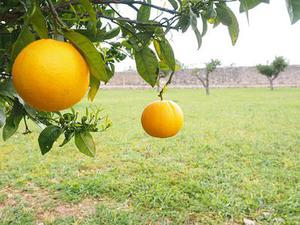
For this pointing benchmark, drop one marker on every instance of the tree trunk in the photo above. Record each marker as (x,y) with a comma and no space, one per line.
(207,85)
(207,90)
(271,85)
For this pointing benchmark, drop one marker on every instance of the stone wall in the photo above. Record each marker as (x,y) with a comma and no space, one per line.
(222,77)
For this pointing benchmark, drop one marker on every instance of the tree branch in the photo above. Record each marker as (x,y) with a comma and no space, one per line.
(123,19)
(199,78)
(126,2)
(202,81)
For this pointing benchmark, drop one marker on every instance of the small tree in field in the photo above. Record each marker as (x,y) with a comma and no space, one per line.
(209,68)
(273,70)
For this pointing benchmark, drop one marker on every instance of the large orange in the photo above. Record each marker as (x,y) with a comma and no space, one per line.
(162,119)
(50,75)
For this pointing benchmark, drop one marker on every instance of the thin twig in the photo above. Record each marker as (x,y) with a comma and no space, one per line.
(134,7)
(161,93)
(27,130)
(55,14)
(115,10)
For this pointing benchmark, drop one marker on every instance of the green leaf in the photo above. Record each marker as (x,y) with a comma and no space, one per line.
(165,68)
(147,65)
(157,49)
(193,22)
(127,29)
(95,84)
(111,34)
(250,4)
(183,22)
(47,138)
(91,54)
(140,40)
(177,67)
(101,35)
(228,18)
(94,87)
(25,37)
(7,89)
(30,111)
(90,10)
(13,120)
(293,7)
(144,12)
(174,4)
(224,14)
(204,25)
(85,143)
(234,31)
(217,22)
(244,7)
(165,52)
(6,41)
(68,137)
(37,20)
(2,118)
(35,17)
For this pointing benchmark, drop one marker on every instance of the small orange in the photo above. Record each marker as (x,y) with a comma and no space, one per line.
(162,119)
(50,75)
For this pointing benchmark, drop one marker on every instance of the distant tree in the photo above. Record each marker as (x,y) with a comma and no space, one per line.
(273,70)
(209,68)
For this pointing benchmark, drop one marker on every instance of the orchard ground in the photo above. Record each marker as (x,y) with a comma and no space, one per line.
(237,157)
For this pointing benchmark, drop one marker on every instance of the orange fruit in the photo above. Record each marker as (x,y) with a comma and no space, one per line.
(50,75)
(162,119)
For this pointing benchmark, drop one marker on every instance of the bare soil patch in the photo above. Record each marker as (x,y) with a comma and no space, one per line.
(45,205)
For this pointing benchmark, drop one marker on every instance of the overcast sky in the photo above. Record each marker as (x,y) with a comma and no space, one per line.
(269,34)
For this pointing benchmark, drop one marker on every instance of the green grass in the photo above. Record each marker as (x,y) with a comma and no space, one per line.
(237,157)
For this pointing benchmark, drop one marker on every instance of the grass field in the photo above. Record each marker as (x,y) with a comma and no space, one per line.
(237,157)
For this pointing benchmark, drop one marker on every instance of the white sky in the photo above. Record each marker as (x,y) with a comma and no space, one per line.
(269,34)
